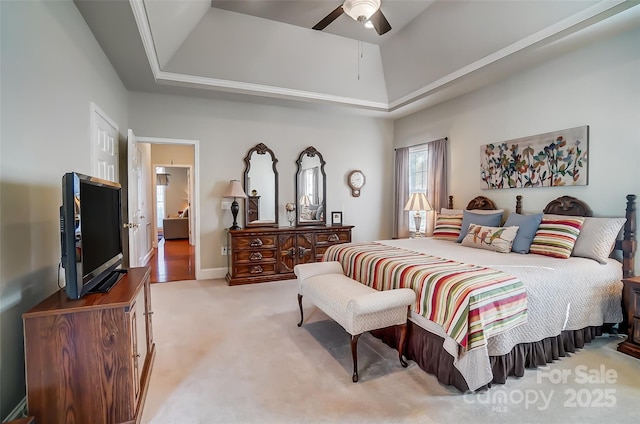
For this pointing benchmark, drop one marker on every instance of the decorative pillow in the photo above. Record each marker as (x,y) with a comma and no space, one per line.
(498,239)
(490,220)
(597,238)
(447,227)
(528,226)
(320,212)
(445,211)
(556,237)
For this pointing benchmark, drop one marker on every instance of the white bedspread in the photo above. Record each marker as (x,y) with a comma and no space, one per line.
(563,294)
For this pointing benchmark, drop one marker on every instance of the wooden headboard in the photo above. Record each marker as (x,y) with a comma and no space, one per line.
(479,202)
(567,205)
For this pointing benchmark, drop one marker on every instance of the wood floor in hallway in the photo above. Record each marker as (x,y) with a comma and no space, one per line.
(174,260)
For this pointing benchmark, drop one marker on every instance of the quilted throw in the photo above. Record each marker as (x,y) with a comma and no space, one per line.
(471,303)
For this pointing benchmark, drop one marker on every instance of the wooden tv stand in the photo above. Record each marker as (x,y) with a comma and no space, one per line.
(89,360)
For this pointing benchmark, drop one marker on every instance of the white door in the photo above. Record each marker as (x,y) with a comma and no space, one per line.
(145,230)
(134,180)
(104,145)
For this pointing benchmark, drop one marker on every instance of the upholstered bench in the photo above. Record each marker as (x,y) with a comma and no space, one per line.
(356,307)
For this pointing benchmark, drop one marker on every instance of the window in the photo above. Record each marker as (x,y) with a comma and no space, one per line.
(418,180)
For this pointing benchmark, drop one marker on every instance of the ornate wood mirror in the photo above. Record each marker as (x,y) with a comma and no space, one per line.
(261,186)
(311,188)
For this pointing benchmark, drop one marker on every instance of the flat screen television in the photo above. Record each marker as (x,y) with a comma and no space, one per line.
(90,234)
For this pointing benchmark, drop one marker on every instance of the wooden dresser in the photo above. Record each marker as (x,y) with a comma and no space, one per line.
(631,302)
(257,255)
(89,360)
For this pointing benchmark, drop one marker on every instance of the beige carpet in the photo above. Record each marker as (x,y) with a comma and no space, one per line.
(235,355)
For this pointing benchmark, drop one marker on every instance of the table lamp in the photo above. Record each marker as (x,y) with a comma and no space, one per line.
(417,202)
(234,190)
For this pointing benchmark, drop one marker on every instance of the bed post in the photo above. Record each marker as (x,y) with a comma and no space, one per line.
(628,244)
(450,206)
(519,204)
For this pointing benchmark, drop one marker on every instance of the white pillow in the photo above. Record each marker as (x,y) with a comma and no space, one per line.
(497,239)
(597,238)
(445,211)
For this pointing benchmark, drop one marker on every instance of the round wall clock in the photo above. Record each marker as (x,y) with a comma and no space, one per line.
(356,180)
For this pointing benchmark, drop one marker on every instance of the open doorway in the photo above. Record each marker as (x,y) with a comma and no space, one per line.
(173,181)
(173,198)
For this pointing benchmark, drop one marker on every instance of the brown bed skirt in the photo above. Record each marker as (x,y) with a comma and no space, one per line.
(425,348)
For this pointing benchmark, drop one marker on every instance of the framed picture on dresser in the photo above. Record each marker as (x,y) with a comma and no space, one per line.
(336,218)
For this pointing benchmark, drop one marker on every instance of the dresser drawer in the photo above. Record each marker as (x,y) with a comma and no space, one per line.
(255,255)
(255,242)
(255,270)
(321,249)
(333,237)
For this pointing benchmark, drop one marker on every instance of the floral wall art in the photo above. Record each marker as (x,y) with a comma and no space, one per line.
(557,158)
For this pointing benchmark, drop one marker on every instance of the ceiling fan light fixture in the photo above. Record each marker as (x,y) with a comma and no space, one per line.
(361,10)
(368,25)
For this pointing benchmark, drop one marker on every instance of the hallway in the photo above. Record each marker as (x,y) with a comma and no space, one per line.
(173,260)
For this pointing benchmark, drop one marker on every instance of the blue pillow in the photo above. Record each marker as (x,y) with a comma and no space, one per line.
(527,227)
(320,212)
(488,220)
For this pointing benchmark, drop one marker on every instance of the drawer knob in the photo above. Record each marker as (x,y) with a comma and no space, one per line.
(256,270)
(255,256)
(333,238)
(302,252)
(255,242)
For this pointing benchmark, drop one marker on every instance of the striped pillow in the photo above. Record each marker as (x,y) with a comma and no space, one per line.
(556,237)
(447,227)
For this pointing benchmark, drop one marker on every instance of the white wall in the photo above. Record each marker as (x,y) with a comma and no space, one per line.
(52,69)
(227,130)
(598,85)
(172,154)
(177,193)
(286,55)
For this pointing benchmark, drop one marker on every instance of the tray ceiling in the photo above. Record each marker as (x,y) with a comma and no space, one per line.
(266,51)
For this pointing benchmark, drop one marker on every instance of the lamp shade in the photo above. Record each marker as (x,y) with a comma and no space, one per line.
(417,202)
(305,200)
(361,10)
(234,189)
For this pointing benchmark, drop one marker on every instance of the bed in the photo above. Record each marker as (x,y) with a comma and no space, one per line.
(566,302)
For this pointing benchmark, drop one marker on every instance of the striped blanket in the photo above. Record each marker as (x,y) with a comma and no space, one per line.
(471,303)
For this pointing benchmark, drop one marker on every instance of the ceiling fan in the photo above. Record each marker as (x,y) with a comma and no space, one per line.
(360,10)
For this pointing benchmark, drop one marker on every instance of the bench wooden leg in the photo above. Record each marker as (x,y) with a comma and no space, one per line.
(301,314)
(403,338)
(354,354)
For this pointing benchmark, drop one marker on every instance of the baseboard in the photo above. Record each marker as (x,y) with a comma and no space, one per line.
(147,257)
(211,273)
(20,411)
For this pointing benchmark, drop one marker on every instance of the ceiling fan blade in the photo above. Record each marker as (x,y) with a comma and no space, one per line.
(380,23)
(329,18)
